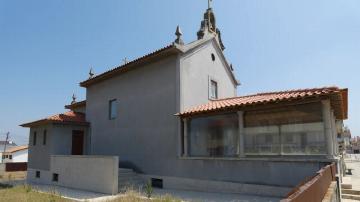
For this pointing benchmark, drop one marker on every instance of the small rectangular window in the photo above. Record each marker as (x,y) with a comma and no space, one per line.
(37,174)
(213,90)
(55,177)
(112,109)
(10,157)
(44,137)
(34,138)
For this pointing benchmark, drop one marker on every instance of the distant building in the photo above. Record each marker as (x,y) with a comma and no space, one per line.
(8,144)
(344,137)
(15,154)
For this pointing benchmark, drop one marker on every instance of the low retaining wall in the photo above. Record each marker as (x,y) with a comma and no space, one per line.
(219,186)
(315,188)
(92,173)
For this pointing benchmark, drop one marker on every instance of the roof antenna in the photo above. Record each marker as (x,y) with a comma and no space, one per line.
(73,99)
(91,73)
(178,34)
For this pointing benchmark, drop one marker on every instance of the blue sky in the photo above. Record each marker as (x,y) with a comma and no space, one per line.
(47,47)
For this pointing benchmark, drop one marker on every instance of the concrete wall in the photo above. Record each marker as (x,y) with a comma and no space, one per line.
(196,68)
(39,154)
(58,142)
(145,134)
(2,168)
(62,139)
(92,173)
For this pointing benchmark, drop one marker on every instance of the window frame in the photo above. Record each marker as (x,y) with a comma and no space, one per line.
(211,81)
(111,108)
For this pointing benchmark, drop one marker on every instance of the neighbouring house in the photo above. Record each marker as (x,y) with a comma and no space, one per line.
(344,137)
(4,145)
(174,117)
(15,154)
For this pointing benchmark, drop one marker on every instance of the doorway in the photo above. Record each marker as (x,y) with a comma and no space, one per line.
(77,147)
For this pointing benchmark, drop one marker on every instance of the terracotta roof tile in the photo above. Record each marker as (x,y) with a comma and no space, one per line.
(76,105)
(17,148)
(123,68)
(339,99)
(69,117)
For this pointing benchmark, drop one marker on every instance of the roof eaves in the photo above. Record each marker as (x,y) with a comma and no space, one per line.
(76,105)
(170,49)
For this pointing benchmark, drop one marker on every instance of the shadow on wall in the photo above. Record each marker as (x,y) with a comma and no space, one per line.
(129,165)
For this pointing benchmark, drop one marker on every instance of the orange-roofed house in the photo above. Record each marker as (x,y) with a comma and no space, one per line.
(173,117)
(15,154)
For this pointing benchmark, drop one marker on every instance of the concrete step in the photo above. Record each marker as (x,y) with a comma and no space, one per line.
(129,179)
(125,170)
(350,191)
(350,196)
(127,174)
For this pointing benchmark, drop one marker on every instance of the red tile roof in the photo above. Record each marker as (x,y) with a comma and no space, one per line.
(76,105)
(69,117)
(16,149)
(337,96)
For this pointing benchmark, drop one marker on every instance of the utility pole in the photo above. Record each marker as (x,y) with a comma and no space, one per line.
(7,138)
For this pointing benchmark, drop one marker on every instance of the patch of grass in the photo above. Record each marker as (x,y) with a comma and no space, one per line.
(25,193)
(134,196)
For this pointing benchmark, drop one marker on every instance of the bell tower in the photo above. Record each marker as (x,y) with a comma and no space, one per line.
(208,26)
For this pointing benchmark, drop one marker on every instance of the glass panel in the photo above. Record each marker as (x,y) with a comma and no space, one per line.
(213,136)
(303,138)
(294,130)
(213,89)
(262,140)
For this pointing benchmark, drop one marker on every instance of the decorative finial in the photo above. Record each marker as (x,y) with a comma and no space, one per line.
(73,99)
(178,34)
(91,73)
(209,4)
(125,61)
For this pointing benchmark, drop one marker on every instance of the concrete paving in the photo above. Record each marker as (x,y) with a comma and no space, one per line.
(214,197)
(80,195)
(355,177)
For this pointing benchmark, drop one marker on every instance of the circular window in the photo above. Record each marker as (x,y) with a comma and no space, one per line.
(212,56)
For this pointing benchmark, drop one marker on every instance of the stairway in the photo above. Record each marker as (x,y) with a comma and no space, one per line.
(128,179)
(350,194)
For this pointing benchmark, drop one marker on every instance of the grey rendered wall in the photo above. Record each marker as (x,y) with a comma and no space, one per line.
(196,69)
(62,139)
(58,142)
(92,173)
(39,154)
(145,134)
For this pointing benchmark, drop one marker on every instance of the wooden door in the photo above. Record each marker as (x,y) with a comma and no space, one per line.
(77,142)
